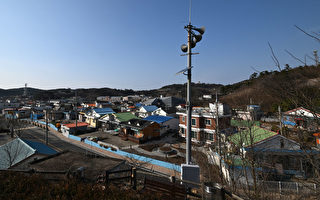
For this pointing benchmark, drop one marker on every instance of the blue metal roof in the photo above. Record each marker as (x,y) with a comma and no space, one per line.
(103,111)
(150,108)
(157,118)
(138,105)
(40,148)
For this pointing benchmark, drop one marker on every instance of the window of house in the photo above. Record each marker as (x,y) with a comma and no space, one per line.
(208,122)
(193,134)
(182,130)
(193,122)
(183,118)
(210,136)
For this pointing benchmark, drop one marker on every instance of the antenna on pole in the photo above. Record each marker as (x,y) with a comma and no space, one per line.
(216,96)
(25,91)
(190,3)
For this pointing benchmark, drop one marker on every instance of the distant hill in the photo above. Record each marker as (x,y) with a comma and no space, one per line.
(289,88)
(178,90)
(18,92)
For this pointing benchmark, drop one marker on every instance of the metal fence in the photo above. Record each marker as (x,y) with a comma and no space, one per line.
(288,187)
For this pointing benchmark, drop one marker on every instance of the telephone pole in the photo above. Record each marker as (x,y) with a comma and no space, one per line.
(316,58)
(279,110)
(46,116)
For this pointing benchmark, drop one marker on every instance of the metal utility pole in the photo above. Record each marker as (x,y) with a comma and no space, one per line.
(217,126)
(279,110)
(189,105)
(76,112)
(189,171)
(192,40)
(316,58)
(11,121)
(219,137)
(46,126)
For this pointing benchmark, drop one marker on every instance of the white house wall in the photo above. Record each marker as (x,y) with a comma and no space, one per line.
(172,124)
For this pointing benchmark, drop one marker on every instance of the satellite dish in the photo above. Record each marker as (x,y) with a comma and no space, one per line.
(197,38)
(200,30)
(184,48)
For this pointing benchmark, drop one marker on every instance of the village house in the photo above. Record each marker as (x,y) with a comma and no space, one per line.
(88,105)
(168,104)
(203,122)
(115,99)
(301,117)
(146,111)
(153,102)
(166,123)
(103,98)
(23,113)
(139,131)
(113,121)
(73,128)
(92,116)
(274,153)
(10,113)
(55,115)
(253,112)
(131,98)
(160,112)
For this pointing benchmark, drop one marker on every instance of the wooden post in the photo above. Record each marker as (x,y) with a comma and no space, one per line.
(172,179)
(280,188)
(107,177)
(134,178)
(203,191)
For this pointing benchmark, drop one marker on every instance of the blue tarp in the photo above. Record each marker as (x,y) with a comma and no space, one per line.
(289,123)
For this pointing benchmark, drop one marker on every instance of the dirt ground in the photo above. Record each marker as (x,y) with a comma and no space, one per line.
(108,138)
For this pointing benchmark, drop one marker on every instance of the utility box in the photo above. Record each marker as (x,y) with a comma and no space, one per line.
(190,173)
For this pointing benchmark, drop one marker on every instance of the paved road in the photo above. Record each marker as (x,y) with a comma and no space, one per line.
(37,134)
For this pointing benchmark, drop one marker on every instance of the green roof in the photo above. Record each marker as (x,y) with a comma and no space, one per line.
(251,136)
(125,116)
(244,123)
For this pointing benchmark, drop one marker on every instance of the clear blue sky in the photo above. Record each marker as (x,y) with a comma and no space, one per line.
(135,44)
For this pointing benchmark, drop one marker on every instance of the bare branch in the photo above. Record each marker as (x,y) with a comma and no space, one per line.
(315,33)
(296,58)
(311,58)
(274,57)
(275,62)
(254,69)
(308,34)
